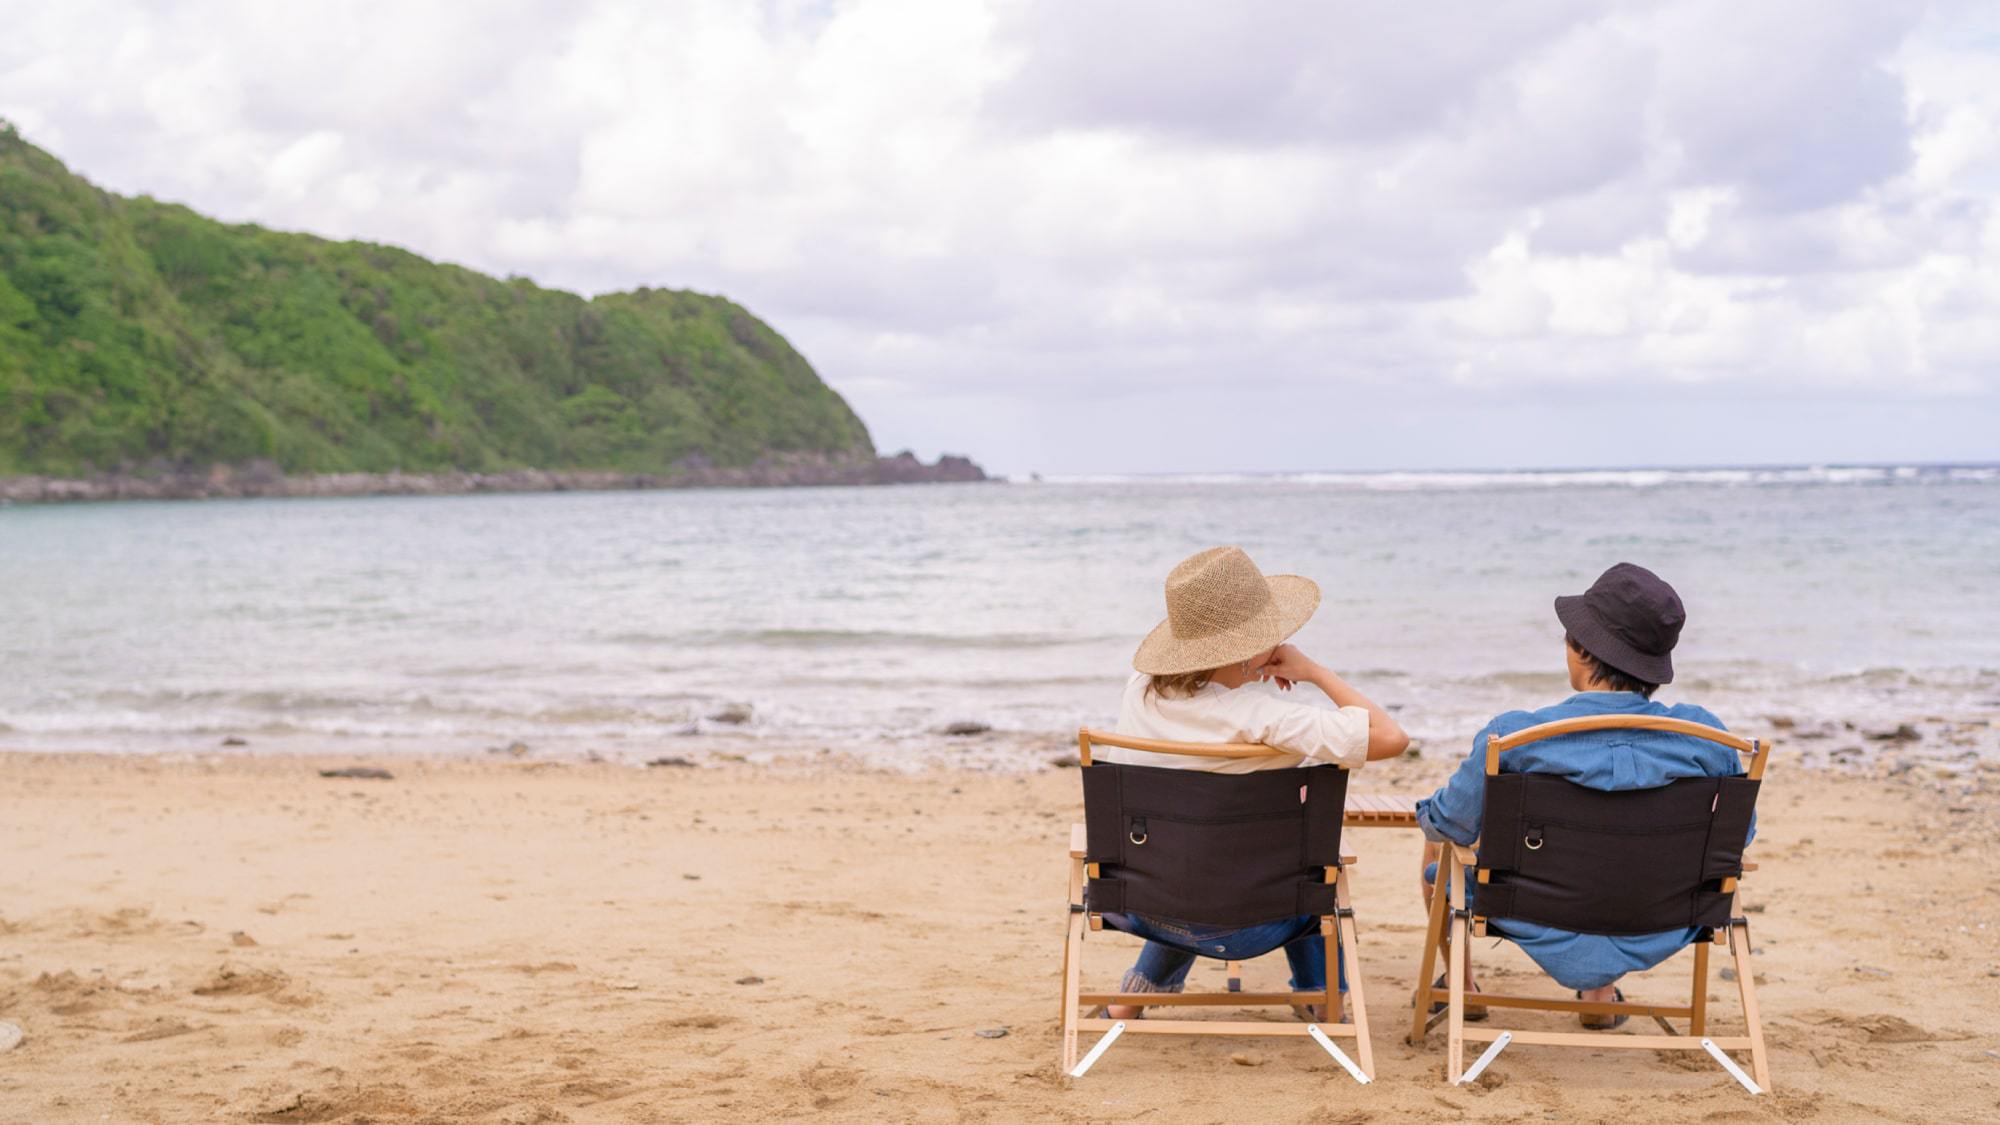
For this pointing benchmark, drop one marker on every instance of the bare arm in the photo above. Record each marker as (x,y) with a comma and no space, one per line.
(1386,737)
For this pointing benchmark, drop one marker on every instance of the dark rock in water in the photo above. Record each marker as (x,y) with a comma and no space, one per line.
(904,468)
(517,748)
(232,740)
(360,773)
(674,762)
(735,714)
(1904,732)
(1781,722)
(966,727)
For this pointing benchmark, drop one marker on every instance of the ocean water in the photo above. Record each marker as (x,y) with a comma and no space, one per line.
(1834,603)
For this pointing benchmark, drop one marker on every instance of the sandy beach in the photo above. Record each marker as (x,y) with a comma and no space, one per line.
(235,938)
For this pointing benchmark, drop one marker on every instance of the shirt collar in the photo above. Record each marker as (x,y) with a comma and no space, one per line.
(1607,700)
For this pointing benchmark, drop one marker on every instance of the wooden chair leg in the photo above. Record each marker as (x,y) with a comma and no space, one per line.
(1698,1022)
(1234,979)
(1348,952)
(1072,967)
(1433,934)
(1746,985)
(1455,967)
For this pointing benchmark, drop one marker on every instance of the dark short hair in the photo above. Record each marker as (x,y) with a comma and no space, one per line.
(1605,674)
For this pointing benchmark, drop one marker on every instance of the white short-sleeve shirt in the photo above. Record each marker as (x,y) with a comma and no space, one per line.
(1309,735)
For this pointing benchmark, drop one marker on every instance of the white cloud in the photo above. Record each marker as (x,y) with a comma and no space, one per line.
(1005,227)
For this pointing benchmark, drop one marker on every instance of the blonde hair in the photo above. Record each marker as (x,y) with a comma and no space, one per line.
(1180,685)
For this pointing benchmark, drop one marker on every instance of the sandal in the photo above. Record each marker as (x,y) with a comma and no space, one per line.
(1474,1013)
(1600,1021)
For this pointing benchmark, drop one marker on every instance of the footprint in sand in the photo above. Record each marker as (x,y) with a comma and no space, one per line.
(164,1029)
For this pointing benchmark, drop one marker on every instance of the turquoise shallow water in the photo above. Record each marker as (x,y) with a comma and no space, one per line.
(868,618)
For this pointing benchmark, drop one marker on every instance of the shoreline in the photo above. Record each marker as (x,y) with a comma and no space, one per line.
(264,480)
(1961,747)
(488,939)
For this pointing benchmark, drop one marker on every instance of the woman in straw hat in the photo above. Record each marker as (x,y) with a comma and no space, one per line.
(1226,627)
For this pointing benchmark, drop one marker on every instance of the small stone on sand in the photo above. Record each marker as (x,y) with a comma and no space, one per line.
(10,1037)
(363,773)
(991,1033)
(238,937)
(1242,1059)
(749,980)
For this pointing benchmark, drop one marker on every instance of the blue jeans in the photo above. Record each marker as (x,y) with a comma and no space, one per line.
(1171,948)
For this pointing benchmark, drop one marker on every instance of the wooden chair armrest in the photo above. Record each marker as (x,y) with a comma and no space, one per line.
(1076,841)
(1462,855)
(1749,866)
(1349,861)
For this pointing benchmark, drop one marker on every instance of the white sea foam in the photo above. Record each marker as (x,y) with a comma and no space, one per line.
(1454,480)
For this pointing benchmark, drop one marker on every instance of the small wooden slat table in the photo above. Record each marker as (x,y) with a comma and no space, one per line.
(1380,810)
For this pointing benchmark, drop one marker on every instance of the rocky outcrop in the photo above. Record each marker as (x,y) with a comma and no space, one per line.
(264,479)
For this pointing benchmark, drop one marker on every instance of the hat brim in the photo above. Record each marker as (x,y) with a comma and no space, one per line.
(1601,642)
(1293,602)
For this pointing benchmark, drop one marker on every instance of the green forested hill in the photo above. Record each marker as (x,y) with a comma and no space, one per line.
(138,334)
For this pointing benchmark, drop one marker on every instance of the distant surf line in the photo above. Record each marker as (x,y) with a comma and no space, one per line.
(1643,477)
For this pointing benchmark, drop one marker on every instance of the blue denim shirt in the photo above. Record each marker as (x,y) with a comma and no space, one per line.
(1607,759)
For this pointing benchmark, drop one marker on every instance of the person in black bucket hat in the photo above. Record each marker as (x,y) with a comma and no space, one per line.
(1628,621)
(1619,637)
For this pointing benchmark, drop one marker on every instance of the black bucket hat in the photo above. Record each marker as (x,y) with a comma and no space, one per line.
(1630,619)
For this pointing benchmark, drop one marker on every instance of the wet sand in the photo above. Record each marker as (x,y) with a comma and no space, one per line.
(234,938)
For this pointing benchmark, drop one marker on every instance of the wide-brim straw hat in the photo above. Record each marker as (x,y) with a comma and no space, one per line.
(1220,610)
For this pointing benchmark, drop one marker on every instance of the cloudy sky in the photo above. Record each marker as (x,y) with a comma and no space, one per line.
(1085,237)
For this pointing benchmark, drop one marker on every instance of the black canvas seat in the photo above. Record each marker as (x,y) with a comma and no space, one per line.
(1212,849)
(1561,854)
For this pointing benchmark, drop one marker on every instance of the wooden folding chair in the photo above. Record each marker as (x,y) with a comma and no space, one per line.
(1556,853)
(1113,870)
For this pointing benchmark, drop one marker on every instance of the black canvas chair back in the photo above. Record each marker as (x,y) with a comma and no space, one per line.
(1210,848)
(1635,861)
